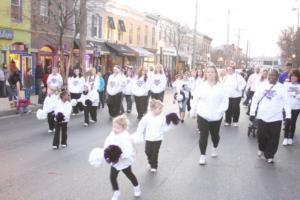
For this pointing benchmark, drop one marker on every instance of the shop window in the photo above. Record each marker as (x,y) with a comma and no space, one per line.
(96,26)
(16,10)
(153,36)
(121,29)
(130,33)
(146,36)
(138,35)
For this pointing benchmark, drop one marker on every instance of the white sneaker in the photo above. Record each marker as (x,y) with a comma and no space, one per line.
(226,124)
(153,170)
(290,141)
(285,142)
(50,131)
(235,124)
(260,154)
(137,191)
(202,160)
(73,114)
(86,124)
(54,147)
(116,195)
(214,153)
(270,160)
(92,121)
(63,146)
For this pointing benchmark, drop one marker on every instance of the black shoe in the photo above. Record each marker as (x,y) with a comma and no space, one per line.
(128,111)
(182,121)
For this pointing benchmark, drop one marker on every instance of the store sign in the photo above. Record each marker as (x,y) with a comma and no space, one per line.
(6,34)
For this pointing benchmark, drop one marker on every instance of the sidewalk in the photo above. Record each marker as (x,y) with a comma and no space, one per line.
(5,109)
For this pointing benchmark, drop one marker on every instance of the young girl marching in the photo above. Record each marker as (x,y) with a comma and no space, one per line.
(120,140)
(48,107)
(62,112)
(158,83)
(293,89)
(75,87)
(209,103)
(90,101)
(154,124)
(140,90)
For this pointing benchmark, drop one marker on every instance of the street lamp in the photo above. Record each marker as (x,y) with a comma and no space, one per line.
(161,45)
(220,60)
(294,56)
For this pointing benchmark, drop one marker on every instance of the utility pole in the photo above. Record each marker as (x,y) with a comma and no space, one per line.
(83,27)
(247,54)
(195,35)
(228,26)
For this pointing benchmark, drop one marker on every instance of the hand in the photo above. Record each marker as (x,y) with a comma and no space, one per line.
(252,118)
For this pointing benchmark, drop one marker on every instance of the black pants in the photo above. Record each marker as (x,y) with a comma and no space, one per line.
(248,97)
(114,104)
(90,111)
(2,89)
(63,127)
(268,137)
(114,175)
(290,128)
(205,127)
(77,107)
(38,82)
(101,98)
(158,96)
(151,150)
(51,121)
(141,105)
(233,111)
(129,103)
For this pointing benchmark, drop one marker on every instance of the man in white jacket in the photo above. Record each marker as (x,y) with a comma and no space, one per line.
(252,84)
(267,106)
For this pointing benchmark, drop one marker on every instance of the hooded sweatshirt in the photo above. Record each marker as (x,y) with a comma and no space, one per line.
(115,84)
(158,83)
(75,84)
(234,84)
(63,107)
(140,86)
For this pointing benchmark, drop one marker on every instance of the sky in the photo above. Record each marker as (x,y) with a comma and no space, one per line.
(260,21)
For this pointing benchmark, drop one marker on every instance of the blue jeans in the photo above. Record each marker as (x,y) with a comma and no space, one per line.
(23,110)
(27,93)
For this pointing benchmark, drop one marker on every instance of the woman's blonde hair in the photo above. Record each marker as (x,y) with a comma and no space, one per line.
(154,103)
(158,69)
(122,120)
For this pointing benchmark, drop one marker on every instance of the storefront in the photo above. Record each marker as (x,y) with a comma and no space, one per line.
(145,58)
(168,59)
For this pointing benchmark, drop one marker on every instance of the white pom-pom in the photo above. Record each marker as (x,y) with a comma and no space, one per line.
(137,138)
(96,157)
(179,97)
(41,115)
(73,102)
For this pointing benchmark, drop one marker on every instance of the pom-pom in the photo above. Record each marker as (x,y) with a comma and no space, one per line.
(73,102)
(41,115)
(172,117)
(60,117)
(88,102)
(96,157)
(112,154)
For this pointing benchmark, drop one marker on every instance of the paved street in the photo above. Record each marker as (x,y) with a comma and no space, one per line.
(31,170)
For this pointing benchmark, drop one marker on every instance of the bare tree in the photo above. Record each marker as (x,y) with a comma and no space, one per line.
(286,43)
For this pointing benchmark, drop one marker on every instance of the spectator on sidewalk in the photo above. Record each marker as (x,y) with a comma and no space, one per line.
(284,76)
(13,83)
(2,81)
(28,83)
(39,76)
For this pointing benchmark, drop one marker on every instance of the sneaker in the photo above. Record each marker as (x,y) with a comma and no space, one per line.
(235,124)
(153,170)
(285,142)
(128,111)
(63,146)
(182,121)
(214,153)
(73,114)
(270,160)
(260,154)
(290,141)
(85,124)
(116,195)
(226,124)
(50,131)
(137,191)
(92,121)
(202,160)
(54,147)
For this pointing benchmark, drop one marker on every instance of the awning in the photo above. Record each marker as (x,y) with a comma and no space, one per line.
(154,51)
(142,52)
(183,57)
(91,45)
(121,50)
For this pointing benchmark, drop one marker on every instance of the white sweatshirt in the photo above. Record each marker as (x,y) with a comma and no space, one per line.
(55,81)
(234,84)
(154,127)
(140,87)
(93,80)
(63,107)
(75,84)
(49,102)
(158,83)
(210,102)
(253,81)
(115,84)
(91,95)
(293,94)
(124,141)
(128,86)
(271,106)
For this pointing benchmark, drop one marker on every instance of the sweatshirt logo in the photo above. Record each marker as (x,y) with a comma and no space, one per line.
(293,89)
(53,80)
(128,81)
(157,82)
(270,94)
(140,83)
(112,84)
(75,83)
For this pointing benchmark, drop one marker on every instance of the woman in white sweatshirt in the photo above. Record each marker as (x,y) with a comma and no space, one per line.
(114,88)
(127,91)
(267,105)
(75,87)
(293,89)
(158,83)
(140,90)
(209,104)
(121,138)
(55,81)
(234,85)
(62,112)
